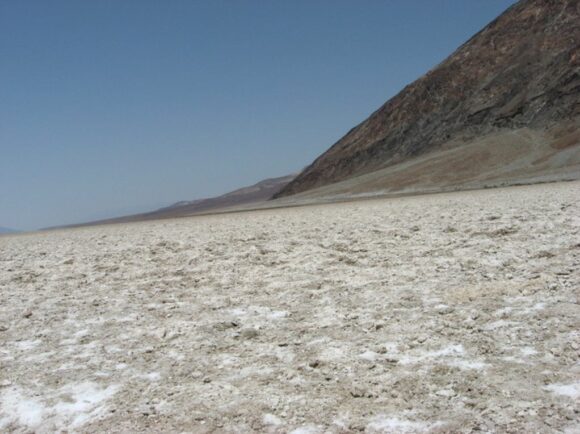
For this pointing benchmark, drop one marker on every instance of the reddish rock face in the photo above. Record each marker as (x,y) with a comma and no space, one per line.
(521,70)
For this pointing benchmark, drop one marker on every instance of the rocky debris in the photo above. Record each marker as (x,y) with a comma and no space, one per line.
(249,333)
(226,325)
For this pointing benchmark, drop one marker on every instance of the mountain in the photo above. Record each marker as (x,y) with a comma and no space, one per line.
(258,192)
(7,230)
(504,108)
(253,194)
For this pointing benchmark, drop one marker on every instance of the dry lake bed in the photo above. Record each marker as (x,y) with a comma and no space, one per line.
(444,313)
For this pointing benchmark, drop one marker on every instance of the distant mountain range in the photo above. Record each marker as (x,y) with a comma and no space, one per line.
(502,109)
(7,230)
(244,196)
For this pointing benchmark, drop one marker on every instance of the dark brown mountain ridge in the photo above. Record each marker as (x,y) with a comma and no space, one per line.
(520,72)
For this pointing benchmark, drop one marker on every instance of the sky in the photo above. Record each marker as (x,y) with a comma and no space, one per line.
(113,107)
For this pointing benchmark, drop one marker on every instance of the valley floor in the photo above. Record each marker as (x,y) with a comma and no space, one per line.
(453,312)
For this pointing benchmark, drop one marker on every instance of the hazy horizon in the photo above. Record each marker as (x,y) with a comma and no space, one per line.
(114,108)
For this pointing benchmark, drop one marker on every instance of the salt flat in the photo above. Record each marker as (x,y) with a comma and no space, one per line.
(454,312)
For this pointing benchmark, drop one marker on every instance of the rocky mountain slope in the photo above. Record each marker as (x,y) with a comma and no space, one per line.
(519,74)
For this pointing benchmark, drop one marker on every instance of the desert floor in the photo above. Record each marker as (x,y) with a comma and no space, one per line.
(444,313)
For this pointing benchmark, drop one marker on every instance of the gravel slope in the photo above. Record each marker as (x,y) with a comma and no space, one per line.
(452,312)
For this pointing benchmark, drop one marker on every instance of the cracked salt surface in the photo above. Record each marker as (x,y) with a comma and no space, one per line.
(307,429)
(27,345)
(384,424)
(18,409)
(414,314)
(569,390)
(75,405)
(451,355)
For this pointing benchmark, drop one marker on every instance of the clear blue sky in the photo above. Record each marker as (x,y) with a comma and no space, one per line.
(111,107)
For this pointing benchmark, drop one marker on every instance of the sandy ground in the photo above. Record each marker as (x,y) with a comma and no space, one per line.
(445,313)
